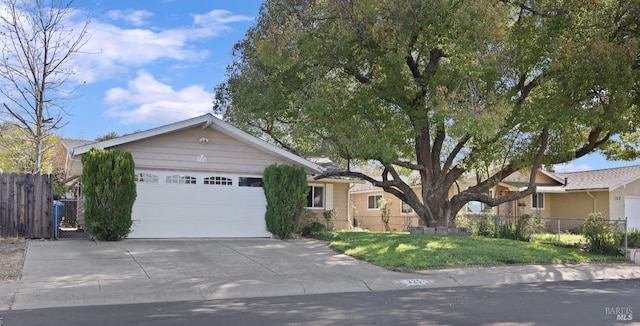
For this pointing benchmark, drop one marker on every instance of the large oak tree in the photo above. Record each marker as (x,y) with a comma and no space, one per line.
(443,87)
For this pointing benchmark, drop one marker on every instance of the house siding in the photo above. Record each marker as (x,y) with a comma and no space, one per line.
(340,197)
(573,208)
(370,219)
(180,151)
(616,199)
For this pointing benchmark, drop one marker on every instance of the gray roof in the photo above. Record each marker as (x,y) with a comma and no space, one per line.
(71,143)
(600,179)
(604,179)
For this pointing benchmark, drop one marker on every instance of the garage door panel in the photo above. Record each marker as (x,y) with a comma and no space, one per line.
(187,210)
(632,212)
(180,194)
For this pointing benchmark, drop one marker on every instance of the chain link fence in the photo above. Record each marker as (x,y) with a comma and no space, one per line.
(567,231)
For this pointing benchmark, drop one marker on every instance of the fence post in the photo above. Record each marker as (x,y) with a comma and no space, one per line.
(559,231)
(626,231)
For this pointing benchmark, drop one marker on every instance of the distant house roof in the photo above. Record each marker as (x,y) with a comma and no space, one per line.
(330,166)
(413,180)
(605,179)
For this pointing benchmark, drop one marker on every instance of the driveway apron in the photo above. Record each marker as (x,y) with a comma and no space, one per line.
(77,273)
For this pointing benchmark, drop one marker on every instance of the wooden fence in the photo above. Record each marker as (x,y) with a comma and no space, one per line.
(26,205)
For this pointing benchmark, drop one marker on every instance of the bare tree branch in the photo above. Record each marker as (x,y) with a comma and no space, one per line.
(38,44)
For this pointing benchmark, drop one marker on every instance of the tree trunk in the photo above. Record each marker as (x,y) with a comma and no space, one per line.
(436,210)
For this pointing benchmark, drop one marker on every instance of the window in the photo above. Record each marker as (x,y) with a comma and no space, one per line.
(218,181)
(146,178)
(406,209)
(315,197)
(476,207)
(249,182)
(373,201)
(182,179)
(537,200)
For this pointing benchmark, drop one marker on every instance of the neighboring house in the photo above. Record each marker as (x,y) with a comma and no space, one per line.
(366,210)
(202,178)
(570,197)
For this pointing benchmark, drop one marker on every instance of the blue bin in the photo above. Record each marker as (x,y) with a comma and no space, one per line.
(58,208)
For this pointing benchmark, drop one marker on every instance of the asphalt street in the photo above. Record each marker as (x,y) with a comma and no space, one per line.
(552,303)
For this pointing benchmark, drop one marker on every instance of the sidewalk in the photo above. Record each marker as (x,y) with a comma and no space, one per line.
(163,271)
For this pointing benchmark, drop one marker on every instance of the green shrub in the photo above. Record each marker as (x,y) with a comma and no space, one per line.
(476,224)
(633,238)
(385,212)
(330,216)
(602,237)
(521,230)
(108,184)
(285,188)
(526,226)
(506,230)
(313,229)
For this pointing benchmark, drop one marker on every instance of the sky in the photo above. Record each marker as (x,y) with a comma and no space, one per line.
(153,62)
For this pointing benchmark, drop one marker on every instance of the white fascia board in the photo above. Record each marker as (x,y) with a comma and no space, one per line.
(622,184)
(311,179)
(367,192)
(144,134)
(547,189)
(260,144)
(552,176)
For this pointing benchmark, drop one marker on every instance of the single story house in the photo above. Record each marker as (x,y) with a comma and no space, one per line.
(366,212)
(202,177)
(568,197)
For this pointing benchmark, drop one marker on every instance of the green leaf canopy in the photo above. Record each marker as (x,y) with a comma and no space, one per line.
(443,88)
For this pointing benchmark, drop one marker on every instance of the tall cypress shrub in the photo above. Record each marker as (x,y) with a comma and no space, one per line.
(108,183)
(285,188)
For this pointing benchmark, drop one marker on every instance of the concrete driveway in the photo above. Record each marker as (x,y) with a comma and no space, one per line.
(75,272)
(71,273)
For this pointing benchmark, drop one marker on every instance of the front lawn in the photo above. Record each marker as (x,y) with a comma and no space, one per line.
(400,251)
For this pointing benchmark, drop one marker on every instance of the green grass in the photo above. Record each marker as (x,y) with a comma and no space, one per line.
(398,251)
(565,238)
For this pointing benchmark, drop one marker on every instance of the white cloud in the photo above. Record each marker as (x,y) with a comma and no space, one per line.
(219,17)
(112,50)
(570,167)
(148,100)
(133,17)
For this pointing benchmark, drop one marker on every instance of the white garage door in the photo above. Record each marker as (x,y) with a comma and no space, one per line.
(195,205)
(632,212)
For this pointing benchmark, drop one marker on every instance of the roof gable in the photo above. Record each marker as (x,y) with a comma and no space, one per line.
(205,121)
(609,179)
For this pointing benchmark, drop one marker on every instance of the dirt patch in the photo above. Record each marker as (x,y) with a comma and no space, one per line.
(12,252)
